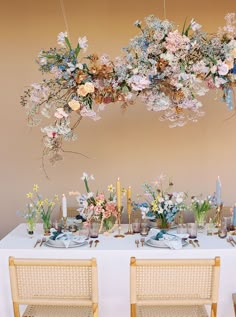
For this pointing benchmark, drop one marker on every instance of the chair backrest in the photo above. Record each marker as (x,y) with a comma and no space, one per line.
(174,282)
(51,281)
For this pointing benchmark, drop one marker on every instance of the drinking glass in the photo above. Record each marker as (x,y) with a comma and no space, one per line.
(192,230)
(136,225)
(144,229)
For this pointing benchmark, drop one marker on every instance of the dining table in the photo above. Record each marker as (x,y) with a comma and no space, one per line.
(113,252)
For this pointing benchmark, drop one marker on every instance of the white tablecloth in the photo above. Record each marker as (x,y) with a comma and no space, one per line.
(113,258)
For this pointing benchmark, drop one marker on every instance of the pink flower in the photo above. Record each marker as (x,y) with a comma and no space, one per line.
(175,41)
(60,113)
(52,134)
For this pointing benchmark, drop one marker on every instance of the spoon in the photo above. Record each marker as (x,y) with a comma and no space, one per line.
(230,241)
(90,243)
(37,242)
(142,240)
(197,242)
(42,241)
(96,242)
(137,243)
(193,244)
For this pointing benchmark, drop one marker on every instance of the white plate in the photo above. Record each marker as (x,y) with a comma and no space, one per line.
(61,244)
(161,243)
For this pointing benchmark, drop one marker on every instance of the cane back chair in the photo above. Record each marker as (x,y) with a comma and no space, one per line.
(179,288)
(61,288)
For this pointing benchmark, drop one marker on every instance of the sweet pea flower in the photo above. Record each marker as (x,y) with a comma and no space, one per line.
(60,113)
(222,68)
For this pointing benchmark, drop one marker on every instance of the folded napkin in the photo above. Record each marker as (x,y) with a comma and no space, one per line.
(173,242)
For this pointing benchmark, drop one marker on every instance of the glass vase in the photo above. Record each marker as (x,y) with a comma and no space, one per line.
(31,228)
(46,227)
(163,223)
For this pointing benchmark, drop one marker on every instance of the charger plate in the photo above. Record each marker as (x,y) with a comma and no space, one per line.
(61,244)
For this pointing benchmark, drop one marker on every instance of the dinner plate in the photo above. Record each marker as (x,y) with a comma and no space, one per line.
(161,244)
(61,244)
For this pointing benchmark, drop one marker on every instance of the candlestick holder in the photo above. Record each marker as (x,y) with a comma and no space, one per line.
(218,215)
(130,231)
(119,235)
(64,223)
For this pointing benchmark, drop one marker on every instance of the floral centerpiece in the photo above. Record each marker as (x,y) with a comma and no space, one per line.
(96,207)
(37,208)
(166,67)
(163,203)
(200,207)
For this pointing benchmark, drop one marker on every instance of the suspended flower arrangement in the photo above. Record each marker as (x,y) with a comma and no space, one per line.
(167,68)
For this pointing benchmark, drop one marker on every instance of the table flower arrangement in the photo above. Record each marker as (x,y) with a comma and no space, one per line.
(167,68)
(96,207)
(163,203)
(37,208)
(200,207)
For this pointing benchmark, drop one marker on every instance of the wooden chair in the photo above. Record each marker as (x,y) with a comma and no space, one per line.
(178,288)
(54,287)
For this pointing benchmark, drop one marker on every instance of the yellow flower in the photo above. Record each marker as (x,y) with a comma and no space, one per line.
(40,203)
(154,205)
(29,195)
(110,188)
(46,201)
(35,188)
(56,197)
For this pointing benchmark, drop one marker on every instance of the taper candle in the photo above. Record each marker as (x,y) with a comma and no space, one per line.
(118,194)
(64,206)
(218,191)
(129,200)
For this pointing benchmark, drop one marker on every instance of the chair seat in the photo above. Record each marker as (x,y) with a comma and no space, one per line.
(58,311)
(171,311)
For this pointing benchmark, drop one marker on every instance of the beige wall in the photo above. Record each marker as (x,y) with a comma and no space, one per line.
(133,145)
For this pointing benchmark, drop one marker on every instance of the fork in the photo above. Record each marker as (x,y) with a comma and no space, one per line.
(37,242)
(137,243)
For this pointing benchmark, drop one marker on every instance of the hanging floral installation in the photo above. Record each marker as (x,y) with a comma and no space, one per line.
(167,68)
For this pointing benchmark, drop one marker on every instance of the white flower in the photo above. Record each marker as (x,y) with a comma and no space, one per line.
(61,38)
(83,42)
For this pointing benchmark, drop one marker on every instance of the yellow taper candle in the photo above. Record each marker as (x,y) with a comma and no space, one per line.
(129,200)
(118,194)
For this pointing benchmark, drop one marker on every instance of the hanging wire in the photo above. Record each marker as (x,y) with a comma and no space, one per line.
(164,9)
(64,15)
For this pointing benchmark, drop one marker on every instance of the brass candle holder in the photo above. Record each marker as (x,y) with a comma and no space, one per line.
(218,215)
(119,234)
(130,231)
(64,223)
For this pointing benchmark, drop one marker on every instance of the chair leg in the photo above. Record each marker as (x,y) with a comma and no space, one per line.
(16,310)
(213,310)
(95,310)
(133,310)
(234,302)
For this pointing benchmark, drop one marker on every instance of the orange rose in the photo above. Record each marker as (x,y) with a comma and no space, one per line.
(74,104)
(85,89)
